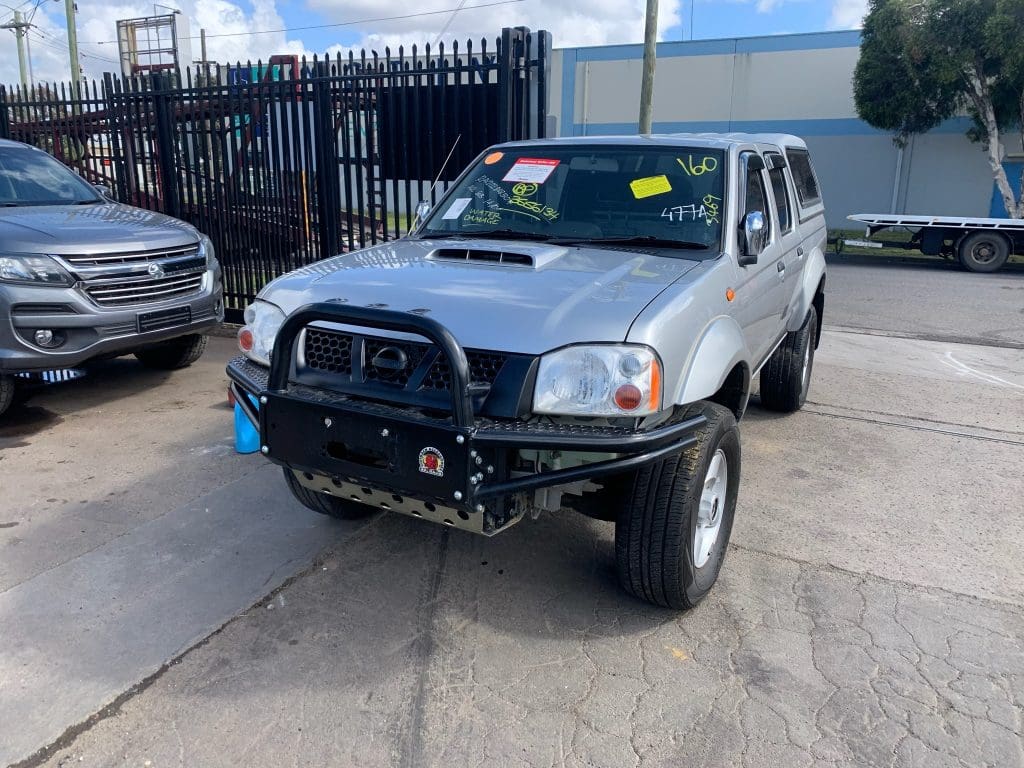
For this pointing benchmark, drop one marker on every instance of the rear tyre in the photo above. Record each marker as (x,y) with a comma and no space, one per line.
(332,506)
(983,251)
(174,354)
(786,377)
(6,392)
(672,533)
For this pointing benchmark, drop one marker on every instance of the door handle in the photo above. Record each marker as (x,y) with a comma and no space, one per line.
(800,251)
(781,267)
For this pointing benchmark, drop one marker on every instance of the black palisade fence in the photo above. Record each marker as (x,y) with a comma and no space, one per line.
(289,161)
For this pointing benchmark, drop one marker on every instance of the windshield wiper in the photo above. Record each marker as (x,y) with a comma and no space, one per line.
(491,234)
(656,242)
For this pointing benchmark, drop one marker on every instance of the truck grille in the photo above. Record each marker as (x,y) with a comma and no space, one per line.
(332,352)
(139,257)
(143,290)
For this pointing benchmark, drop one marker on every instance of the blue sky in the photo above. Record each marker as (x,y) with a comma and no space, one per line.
(230,24)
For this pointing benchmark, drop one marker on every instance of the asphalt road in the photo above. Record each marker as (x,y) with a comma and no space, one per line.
(163,601)
(927,298)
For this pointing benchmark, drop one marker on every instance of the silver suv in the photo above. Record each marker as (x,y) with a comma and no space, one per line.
(82,276)
(575,326)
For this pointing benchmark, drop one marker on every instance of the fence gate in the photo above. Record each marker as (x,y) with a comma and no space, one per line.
(289,161)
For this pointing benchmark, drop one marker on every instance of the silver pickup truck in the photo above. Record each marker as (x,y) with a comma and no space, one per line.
(83,276)
(575,326)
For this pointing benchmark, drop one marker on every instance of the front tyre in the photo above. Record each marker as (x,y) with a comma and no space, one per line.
(786,377)
(332,506)
(671,535)
(6,392)
(174,354)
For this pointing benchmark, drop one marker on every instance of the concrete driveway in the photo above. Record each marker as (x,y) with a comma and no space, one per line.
(164,602)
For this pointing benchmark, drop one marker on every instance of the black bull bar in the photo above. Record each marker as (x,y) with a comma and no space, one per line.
(460,461)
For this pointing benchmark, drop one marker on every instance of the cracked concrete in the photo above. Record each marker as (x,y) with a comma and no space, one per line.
(869,614)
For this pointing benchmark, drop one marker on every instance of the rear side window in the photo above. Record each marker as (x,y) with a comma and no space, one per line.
(778,179)
(803,177)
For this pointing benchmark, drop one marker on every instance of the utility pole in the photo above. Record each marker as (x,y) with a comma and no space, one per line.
(647,84)
(76,68)
(20,28)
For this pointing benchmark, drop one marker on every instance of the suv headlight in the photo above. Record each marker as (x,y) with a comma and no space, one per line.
(256,338)
(32,270)
(600,380)
(206,250)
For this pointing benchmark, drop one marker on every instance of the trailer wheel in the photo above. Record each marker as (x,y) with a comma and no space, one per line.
(6,392)
(983,251)
(672,532)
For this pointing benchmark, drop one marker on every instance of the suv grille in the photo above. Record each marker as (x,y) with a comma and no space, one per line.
(115,259)
(128,279)
(331,352)
(144,290)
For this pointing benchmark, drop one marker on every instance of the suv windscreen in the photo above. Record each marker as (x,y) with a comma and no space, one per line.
(666,196)
(28,177)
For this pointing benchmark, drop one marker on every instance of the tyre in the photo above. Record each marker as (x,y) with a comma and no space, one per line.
(786,377)
(173,354)
(672,532)
(6,392)
(332,506)
(983,251)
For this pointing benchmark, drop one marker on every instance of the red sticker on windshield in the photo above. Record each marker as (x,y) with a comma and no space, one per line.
(534,170)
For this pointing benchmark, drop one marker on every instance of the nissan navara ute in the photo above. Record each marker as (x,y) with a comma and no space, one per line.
(576,325)
(83,276)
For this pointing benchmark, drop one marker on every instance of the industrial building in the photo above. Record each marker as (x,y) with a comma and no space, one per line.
(801,84)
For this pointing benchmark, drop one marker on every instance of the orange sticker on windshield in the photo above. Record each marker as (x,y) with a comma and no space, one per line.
(494,157)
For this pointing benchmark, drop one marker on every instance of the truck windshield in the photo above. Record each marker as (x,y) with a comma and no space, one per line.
(662,197)
(28,177)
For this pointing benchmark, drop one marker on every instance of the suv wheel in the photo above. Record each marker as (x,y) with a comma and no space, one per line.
(786,377)
(332,506)
(6,392)
(983,251)
(173,354)
(671,535)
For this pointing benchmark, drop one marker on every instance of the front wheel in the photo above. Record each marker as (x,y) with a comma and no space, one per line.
(983,251)
(6,392)
(671,535)
(174,354)
(332,506)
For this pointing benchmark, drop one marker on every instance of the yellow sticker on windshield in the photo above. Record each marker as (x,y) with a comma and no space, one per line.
(650,186)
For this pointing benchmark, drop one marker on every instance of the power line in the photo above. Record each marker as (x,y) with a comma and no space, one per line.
(340,24)
(58,45)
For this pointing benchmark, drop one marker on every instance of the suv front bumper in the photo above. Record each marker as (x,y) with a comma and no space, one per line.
(454,470)
(93,331)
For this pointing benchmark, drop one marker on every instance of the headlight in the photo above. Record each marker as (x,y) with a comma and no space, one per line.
(256,338)
(599,381)
(207,251)
(35,270)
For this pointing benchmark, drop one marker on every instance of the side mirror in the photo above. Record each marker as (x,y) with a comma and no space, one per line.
(754,238)
(105,192)
(422,211)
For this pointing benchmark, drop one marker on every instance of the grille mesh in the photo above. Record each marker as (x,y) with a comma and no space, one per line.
(330,352)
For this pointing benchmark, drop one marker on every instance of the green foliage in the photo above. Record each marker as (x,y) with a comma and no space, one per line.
(918,58)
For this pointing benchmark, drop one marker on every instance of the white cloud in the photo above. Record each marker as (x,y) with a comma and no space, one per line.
(571,22)
(97,29)
(848,14)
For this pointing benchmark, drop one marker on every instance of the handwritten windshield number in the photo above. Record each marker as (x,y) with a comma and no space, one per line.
(706,165)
